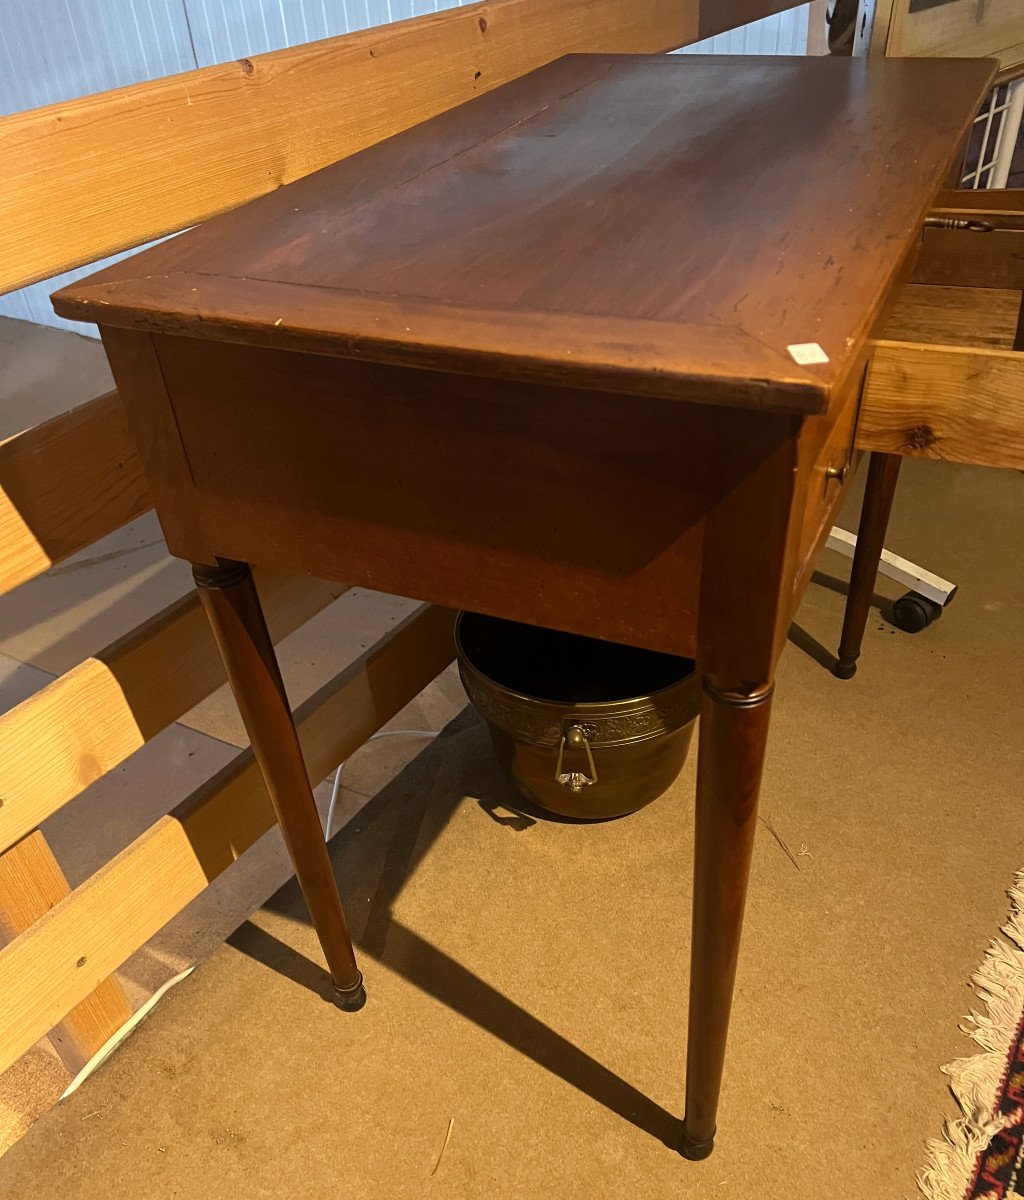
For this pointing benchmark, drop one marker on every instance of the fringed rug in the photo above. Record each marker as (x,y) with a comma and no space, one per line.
(981,1155)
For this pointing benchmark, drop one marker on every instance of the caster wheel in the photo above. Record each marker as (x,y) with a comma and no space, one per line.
(912,612)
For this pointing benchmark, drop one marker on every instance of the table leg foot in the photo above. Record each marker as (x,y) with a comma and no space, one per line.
(229,597)
(350,999)
(694,1148)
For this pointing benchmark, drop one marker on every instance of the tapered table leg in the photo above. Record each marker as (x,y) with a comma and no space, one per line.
(229,596)
(733,734)
(883,473)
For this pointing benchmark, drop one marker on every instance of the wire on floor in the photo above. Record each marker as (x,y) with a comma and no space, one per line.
(336,790)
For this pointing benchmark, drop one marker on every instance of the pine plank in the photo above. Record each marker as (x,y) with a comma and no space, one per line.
(87,722)
(955,316)
(31,883)
(944,402)
(64,485)
(81,940)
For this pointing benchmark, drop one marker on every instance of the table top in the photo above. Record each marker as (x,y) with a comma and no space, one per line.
(668,225)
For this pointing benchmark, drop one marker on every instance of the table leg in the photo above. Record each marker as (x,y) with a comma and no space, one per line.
(229,596)
(883,473)
(733,734)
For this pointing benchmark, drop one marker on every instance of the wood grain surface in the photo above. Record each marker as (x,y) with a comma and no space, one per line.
(64,485)
(563,507)
(981,260)
(958,27)
(879,492)
(996,200)
(716,16)
(228,595)
(945,402)
(954,316)
(655,218)
(32,883)
(973,259)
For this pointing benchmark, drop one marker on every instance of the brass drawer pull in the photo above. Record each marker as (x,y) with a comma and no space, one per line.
(837,472)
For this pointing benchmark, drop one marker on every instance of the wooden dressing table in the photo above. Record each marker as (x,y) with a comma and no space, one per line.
(585,352)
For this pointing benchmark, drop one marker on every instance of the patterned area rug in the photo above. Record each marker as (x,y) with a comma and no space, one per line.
(981,1155)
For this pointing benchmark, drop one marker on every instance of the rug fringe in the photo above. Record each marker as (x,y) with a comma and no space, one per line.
(975,1081)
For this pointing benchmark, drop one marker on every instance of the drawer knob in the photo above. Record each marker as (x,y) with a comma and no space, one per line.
(836,473)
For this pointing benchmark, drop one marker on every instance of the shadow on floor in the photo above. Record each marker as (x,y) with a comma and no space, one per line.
(799,637)
(809,644)
(376,854)
(842,588)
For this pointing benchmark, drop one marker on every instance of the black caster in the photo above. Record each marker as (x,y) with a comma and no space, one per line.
(914,612)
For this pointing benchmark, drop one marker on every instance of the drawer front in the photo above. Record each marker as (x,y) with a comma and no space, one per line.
(580,513)
(831,450)
(954,403)
(946,376)
(962,258)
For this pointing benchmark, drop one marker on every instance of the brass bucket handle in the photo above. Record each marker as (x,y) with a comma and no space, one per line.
(575,781)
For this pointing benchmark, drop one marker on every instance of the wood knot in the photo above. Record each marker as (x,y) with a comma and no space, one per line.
(246,66)
(483,24)
(921,437)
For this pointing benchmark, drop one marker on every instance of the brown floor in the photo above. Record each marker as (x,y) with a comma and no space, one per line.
(529,979)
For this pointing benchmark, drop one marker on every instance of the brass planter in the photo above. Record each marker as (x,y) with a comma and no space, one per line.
(584,728)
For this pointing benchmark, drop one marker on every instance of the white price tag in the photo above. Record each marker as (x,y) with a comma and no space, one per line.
(807,354)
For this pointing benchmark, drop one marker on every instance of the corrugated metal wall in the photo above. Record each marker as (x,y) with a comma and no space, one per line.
(52,50)
(223,29)
(785,33)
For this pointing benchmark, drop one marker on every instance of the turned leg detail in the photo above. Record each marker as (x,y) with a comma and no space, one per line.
(883,474)
(229,596)
(733,734)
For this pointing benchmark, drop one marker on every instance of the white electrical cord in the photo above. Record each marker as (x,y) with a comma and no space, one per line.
(416,733)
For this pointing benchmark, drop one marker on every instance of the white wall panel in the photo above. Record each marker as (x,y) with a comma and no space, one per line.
(785,33)
(226,29)
(52,50)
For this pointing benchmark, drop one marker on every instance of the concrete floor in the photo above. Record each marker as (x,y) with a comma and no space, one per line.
(529,979)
